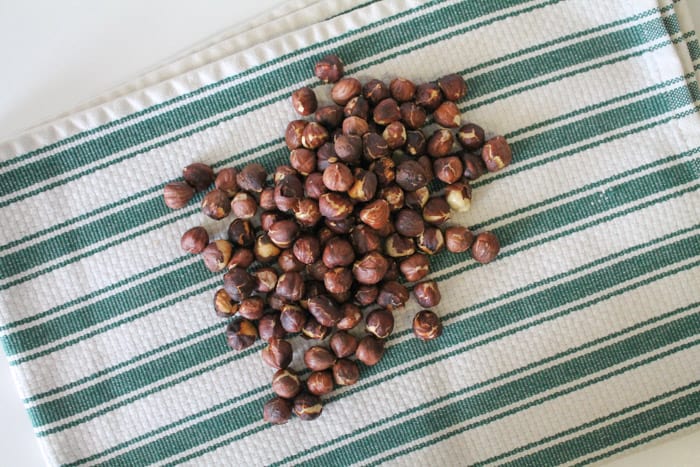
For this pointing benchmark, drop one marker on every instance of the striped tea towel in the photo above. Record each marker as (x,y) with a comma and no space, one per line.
(580,341)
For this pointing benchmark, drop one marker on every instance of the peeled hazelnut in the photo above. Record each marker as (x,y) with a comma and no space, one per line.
(471,136)
(314,330)
(288,262)
(415,267)
(329,69)
(436,211)
(459,196)
(384,169)
(304,101)
(496,154)
(453,87)
(448,115)
(410,175)
(283,233)
(375,214)
(240,334)
(427,325)
(485,247)
(412,115)
(307,406)
(345,372)
(345,89)
(314,135)
(375,91)
(318,358)
(364,239)
(320,383)
(338,177)
(386,111)
(290,286)
(292,135)
(392,295)
(440,143)
(307,212)
(244,205)
(223,305)
(335,206)
(217,255)
(358,107)
(448,169)
(270,327)
(303,160)
(409,223)
(338,280)
(428,96)
(402,89)
(292,318)
(265,280)
(313,185)
(355,126)
(265,251)
(380,323)
(288,191)
(195,240)
(278,353)
(270,217)
(252,178)
(286,383)
(199,176)
(251,308)
(370,350)
(365,186)
(398,246)
(427,294)
(394,135)
(277,411)
(324,310)
(371,268)
(241,232)
(177,194)
(374,146)
(338,252)
(348,148)
(351,317)
(474,166)
(431,242)
(416,143)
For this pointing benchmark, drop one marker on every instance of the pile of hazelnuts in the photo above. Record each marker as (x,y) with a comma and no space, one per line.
(344,232)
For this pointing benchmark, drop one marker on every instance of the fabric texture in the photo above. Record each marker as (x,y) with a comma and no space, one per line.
(580,341)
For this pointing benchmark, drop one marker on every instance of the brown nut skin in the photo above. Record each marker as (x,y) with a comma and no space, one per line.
(290,286)
(371,268)
(269,327)
(365,239)
(292,318)
(292,135)
(341,297)
(226,181)
(288,191)
(307,406)
(265,280)
(329,69)
(307,213)
(286,383)
(335,206)
(380,323)
(282,172)
(427,294)
(375,91)
(252,178)
(394,195)
(318,358)
(392,295)
(313,185)
(440,143)
(244,205)
(195,240)
(416,143)
(177,194)
(448,115)
(217,255)
(325,310)
(239,284)
(374,145)
(241,233)
(410,175)
(314,135)
(265,251)
(314,330)
(427,325)
(412,115)
(302,160)
(317,270)
(395,135)
(251,308)
(355,126)
(370,350)
(417,199)
(409,223)
(320,383)
(330,116)
(402,90)
(365,186)
(375,214)
(471,136)
(277,354)
(398,246)
(392,273)
(283,233)
(241,258)
(338,252)
(474,166)
(277,411)
(343,344)
(458,239)
(357,106)
(348,148)
(384,169)
(338,280)
(485,247)
(223,305)
(429,96)
(199,176)
(453,87)
(307,249)
(240,334)
(345,89)
(304,101)
(432,241)
(386,111)
(325,155)
(345,372)
(415,267)
(436,211)
(448,169)
(352,315)
(496,154)
(268,218)
(459,196)
(338,177)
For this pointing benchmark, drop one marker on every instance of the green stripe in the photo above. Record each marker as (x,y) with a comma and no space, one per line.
(455,334)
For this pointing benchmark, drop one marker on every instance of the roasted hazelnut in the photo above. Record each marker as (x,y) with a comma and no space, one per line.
(415,267)
(370,350)
(380,323)
(307,249)
(265,251)
(351,317)
(426,325)
(226,181)
(366,294)
(386,111)
(223,305)
(241,258)
(394,135)
(448,115)
(314,135)
(338,252)
(374,146)
(392,295)
(307,212)
(303,160)
(345,89)
(304,101)
(241,232)
(239,283)
(283,233)
(428,95)
(195,240)
(288,192)
(448,169)
(427,294)
(341,297)
(340,226)
(384,169)
(177,194)
(427,164)
(329,69)
(338,280)
(485,247)
(398,246)
(317,270)
(458,239)
(345,372)
(325,155)
(474,166)
(199,176)
(496,154)
(216,204)
(335,206)
(409,223)
(431,242)
(417,199)
(277,411)
(358,107)
(314,330)
(410,175)
(318,358)
(270,327)
(288,262)
(370,269)
(355,126)
(278,353)
(343,344)
(364,239)
(276,302)
(307,406)
(282,171)
(453,87)
(412,115)
(265,280)
(320,383)
(402,90)
(286,383)
(270,217)
(375,214)
(240,334)
(330,116)
(251,308)
(348,148)
(365,186)
(338,177)
(471,136)
(375,91)
(324,310)
(290,286)
(252,178)
(392,272)
(416,143)
(313,186)
(292,135)
(217,255)
(387,230)
(244,205)
(436,211)
(292,318)
(440,143)
(459,196)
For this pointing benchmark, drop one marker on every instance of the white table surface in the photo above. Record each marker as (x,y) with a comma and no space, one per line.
(47,48)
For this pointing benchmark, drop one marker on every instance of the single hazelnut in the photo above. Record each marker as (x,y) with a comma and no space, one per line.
(290,286)
(448,115)
(398,246)
(448,169)
(343,344)
(252,178)
(394,135)
(277,411)
(345,372)
(265,251)
(307,406)
(314,330)
(409,223)
(431,241)
(351,317)
(282,171)
(338,252)
(338,177)
(313,186)
(240,334)
(288,191)
(357,107)
(216,204)
(177,194)
(251,308)
(304,101)
(412,115)
(410,175)
(474,166)
(366,295)
(318,358)
(402,90)
(288,262)
(307,212)
(384,169)
(459,196)
(453,87)
(292,318)
(223,305)
(471,136)
(428,96)
(199,176)
(277,354)
(335,206)
(195,240)
(244,205)
(348,148)
(485,247)
(386,111)
(303,160)
(371,268)
(380,323)
(324,310)
(364,239)
(329,69)
(283,233)
(458,239)
(370,350)
(314,135)
(392,295)
(292,135)
(375,214)
(426,325)
(436,211)
(270,327)
(226,181)
(392,272)
(241,258)
(417,199)
(268,218)
(375,146)
(345,89)
(307,249)
(241,232)
(239,283)
(320,383)
(416,144)
(427,294)
(365,186)
(338,280)
(440,143)
(355,126)
(375,91)
(265,280)
(286,383)
(217,255)
(415,267)
(496,154)
(330,116)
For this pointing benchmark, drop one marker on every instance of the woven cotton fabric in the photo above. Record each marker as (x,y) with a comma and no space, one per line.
(580,341)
